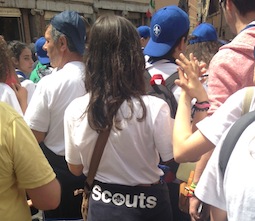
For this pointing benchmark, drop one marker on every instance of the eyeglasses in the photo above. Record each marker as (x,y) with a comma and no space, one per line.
(254,52)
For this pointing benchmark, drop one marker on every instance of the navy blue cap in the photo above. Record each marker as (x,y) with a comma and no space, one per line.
(168,24)
(144,31)
(203,33)
(72,25)
(41,54)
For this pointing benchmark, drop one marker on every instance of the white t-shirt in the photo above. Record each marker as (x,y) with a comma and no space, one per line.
(131,155)
(53,93)
(8,96)
(235,193)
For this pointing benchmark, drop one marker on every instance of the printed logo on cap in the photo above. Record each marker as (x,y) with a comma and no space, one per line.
(156,30)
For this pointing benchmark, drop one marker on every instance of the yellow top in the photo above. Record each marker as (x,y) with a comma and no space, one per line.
(22,165)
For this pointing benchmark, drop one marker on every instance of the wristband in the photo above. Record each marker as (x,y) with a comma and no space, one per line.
(202,105)
(191,189)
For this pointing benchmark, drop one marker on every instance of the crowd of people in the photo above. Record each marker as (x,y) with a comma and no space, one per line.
(79,84)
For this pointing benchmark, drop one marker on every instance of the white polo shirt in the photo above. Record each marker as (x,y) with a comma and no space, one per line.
(54,92)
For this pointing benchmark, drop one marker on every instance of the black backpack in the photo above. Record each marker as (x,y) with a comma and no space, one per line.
(236,130)
(232,137)
(163,91)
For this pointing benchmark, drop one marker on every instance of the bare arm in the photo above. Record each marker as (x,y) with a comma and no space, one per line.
(46,197)
(75,169)
(40,136)
(218,214)
(189,146)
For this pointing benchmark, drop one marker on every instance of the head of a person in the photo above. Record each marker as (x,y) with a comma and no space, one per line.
(6,66)
(144,32)
(203,42)
(40,52)
(244,9)
(204,32)
(65,37)
(21,56)
(114,67)
(168,30)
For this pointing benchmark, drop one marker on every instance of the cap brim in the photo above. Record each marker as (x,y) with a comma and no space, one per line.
(44,60)
(154,49)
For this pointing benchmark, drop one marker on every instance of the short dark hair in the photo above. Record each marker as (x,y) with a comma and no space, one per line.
(55,34)
(243,6)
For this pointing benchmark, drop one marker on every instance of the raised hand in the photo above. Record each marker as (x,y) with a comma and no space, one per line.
(189,73)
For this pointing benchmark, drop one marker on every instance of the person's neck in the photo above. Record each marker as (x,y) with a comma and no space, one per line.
(70,57)
(243,21)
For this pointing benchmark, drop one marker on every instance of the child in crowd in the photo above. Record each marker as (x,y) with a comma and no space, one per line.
(42,67)
(127,182)
(7,95)
(21,56)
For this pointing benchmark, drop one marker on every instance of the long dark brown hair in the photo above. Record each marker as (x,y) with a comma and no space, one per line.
(114,70)
(6,67)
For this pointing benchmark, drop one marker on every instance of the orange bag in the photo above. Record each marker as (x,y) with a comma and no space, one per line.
(183,194)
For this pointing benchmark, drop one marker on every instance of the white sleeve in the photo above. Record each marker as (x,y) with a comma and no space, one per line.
(72,154)
(37,114)
(163,133)
(210,186)
(214,126)
(8,96)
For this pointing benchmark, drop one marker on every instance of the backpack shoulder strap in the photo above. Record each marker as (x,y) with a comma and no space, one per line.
(232,137)
(170,80)
(234,134)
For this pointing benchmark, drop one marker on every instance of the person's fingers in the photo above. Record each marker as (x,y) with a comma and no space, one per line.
(184,59)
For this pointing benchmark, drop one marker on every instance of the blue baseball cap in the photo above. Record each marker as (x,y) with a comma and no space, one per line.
(203,33)
(168,24)
(144,31)
(41,54)
(72,25)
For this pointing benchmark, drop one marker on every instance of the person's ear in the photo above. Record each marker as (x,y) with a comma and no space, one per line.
(15,62)
(62,42)
(183,44)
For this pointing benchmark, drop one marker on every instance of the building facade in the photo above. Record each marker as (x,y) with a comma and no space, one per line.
(26,20)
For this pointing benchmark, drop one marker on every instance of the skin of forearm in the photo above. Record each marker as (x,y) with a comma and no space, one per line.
(182,130)
(200,165)
(182,127)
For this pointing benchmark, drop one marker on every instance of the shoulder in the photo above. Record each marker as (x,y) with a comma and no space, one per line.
(6,93)
(154,103)
(6,87)
(7,113)
(75,66)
